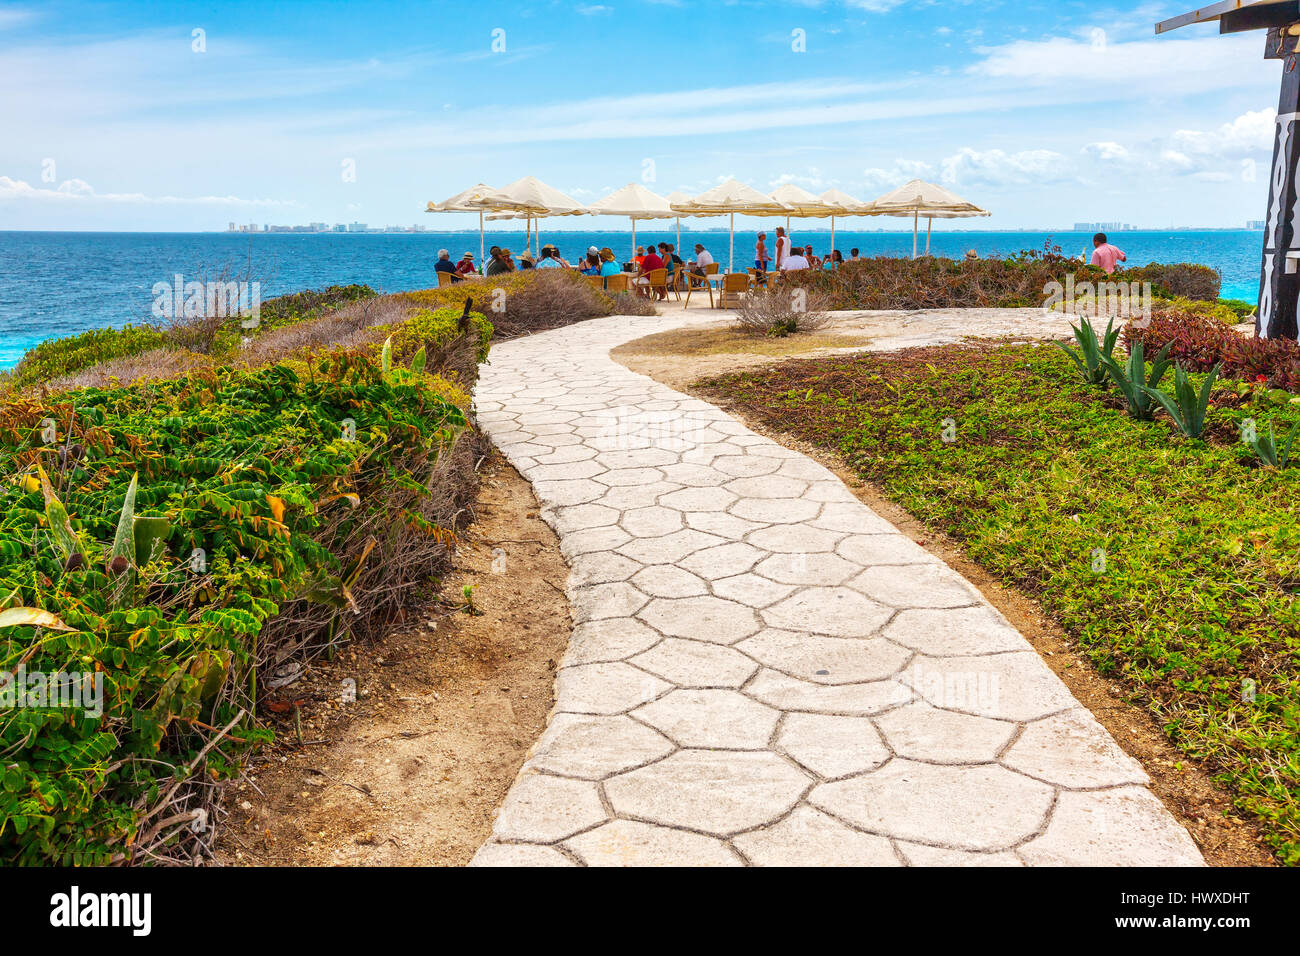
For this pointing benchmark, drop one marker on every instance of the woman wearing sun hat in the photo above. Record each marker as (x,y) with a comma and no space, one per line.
(608,264)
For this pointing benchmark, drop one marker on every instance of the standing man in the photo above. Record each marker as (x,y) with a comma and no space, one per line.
(782,245)
(1104,254)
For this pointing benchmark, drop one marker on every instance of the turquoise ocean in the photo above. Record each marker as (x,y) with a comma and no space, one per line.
(54,284)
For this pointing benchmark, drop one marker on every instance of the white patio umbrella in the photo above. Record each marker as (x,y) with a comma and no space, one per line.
(730,198)
(635,202)
(845,205)
(677,199)
(480,199)
(919,198)
(536,199)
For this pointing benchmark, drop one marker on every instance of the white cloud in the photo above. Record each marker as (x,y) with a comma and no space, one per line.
(593,10)
(903,170)
(1246,136)
(78,190)
(1106,152)
(995,167)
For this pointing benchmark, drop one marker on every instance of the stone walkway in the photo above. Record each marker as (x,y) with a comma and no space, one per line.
(764,671)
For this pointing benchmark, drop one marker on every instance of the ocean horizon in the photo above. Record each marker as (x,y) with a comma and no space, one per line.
(56,283)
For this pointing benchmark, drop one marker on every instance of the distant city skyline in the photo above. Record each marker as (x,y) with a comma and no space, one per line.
(185,116)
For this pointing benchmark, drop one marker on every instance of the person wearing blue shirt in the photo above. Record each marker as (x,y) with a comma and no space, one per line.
(550,259)
(608,265)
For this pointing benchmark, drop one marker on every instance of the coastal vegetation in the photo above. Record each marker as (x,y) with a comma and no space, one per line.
(1172,559)
(173,538)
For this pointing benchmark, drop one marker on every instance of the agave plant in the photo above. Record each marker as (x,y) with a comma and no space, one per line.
(1186,406)
(1268,450)
(1133,381)
(1093,351)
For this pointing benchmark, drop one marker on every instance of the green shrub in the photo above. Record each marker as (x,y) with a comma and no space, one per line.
(301,489)
(59,357)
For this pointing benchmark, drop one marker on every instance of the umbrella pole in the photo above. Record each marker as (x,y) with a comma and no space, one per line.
(633,238)
(832,238)
(731,250)
(678,247)
(914,225)
(480,238)
(929,224)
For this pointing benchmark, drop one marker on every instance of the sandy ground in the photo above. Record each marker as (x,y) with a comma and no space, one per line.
(682,357)
(446,709)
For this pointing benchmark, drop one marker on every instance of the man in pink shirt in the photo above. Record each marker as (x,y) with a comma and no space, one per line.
(1104,254)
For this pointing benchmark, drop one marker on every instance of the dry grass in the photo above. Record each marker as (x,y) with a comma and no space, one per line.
(150,366)
(781,312)
(726,340)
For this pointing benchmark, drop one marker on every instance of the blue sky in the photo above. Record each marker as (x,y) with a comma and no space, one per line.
(117,117)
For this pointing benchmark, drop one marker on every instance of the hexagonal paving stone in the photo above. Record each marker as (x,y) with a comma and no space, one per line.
(745,466)
(825,660)
(787,693)
(701,618)
(839,611)
(604,688)
(593,540)
(576,745)
(696,664)
(597,601)
(629,843)
(918,855)
(720,523)
(968,808)
(519,854)
(751,590)
(795,539)
(832,746)
(922,732)
(599,568)
(766,486)
(1013,686)
(723,561)
(869,550)
(808,837)
(669,549)
(636,458)
(665,580)
(542,809)
(582,517)
(698,499)
(776,510)
(651,522)
(695,475)
(948,631)
(629,476)
(562,493)
(711,718)
(1127,826)
(611,639)
(627,497)
(826,570)
(719,792)
(852,517)
(567,471)
(916,585)
(1072,750)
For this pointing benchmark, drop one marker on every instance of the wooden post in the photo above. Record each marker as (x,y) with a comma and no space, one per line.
(1278,288)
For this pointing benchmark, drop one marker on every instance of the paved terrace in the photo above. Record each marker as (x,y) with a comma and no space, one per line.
(763,670)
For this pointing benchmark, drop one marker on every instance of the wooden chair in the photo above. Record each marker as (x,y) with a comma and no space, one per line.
(445,278)
(694,283)
(618,283)
(734,286)
(597,282)
(654,281)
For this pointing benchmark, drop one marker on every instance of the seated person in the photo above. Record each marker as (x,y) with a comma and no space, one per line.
(466,265)
(702,259)
(444,264)
(550,258)
(640,254)
(649,263)
(853,256)
(795,261)
(608,265)
(835,259)
(591,264)
(526,260)
(496,262)
(814,262)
